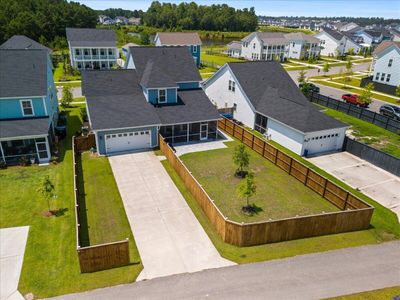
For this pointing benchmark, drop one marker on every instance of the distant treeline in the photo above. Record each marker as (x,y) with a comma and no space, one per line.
(362,21)
(43,20)
(191,16)
(119,12)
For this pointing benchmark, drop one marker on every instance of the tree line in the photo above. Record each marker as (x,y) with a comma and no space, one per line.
(200,17)
(43,20)
(119,12)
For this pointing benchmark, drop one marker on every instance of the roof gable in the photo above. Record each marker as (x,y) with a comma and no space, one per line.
(22,42)
(179,38)
(382,47)
(86,37)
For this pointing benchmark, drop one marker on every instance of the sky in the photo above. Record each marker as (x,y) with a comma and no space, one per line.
(320,8)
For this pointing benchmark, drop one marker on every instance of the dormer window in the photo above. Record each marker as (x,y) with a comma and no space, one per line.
(27,108)
(162,96)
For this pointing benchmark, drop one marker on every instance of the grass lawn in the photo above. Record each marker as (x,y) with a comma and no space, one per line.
(59,74)
(219,60)
(279,195)
(374,136)
(51,264)
(295,68)
(387,293)
(348,89)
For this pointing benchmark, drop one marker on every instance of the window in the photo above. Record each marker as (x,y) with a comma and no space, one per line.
(388,77)
(194,49)
(94,51)
(377,76)
(390,62)
(383,76)
(110,52)
(231,86)
(293,44)
(27,108)
(230,83)
(86,51)
(162,96)
(254,45)
(77,52)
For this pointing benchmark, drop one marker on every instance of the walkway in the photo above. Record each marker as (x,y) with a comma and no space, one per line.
(374,182)
(12,249)
(169,237)
(312,276)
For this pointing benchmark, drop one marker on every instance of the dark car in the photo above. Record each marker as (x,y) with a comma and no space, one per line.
(391,111)
(353,99)
(313,87)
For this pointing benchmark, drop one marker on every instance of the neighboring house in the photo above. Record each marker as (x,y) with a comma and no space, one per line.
(370,37)
(386,64)
(395,35)
(234,49)
(302,46)
(91,48)
(265,46)
(134,21)
(22,42)
(265,98)
(28,102)
(346,26)
(125,48)
(121,20)
(159,92)
(102,18)
(190,39)
(335,43)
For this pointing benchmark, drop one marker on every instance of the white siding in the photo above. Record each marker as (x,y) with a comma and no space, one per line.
(295,49)
(254,48)
(349,44)
(219,94)
(157,42)
(286,136)
(382,66)
(328,43)
(324,141)
(366,37)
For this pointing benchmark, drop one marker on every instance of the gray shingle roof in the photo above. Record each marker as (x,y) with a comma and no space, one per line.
(333,33)
(23,73)
(274,94)
(179,38)
(234,45)
(300,36)
(115,100)
(91,37)
(176,63)
(24,127)
(22,42)
(192,106)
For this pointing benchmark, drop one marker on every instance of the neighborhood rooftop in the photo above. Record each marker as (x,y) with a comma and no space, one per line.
(300,36)
(91,37)
(274,94)
(22,42)
(23,73)
(333,33)
(384,45)
(11,128)
(179,38)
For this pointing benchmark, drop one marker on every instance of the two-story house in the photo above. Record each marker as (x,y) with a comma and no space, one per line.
(190,39)
(386,64)
(302,46)
(158,92)
(265,46)
(334,43)
(28,101)
(370,37)
(91,48)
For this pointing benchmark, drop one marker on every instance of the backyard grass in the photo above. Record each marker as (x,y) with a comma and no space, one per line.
(218,60)
(279,195)
(386,293)
(51,264)
(59,74)
(370,134)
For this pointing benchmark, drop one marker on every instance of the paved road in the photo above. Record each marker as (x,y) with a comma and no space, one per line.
(312,276)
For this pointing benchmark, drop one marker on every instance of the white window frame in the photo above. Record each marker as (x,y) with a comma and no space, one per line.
(22,107)
(194,48)
(388,77)
(165,96)
(383,75)
(377,76)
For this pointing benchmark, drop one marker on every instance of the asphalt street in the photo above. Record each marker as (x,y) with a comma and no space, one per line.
(312,276)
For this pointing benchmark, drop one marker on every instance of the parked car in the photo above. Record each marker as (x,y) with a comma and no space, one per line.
(353,99)
(390,111)
(313,87)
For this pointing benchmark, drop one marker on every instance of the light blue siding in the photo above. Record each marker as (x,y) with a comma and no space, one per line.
(152,95)
(11,108)
(188,85)
(171,95)
(101,147)
(196,54)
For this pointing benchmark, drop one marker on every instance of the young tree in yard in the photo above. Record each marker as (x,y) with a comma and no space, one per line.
(302,76)
(350,51)
(144,38)
(241,159)
(349,65)
(47,190)
(246,189)
(326,68)
(366,94)
(66,96)
(306,88)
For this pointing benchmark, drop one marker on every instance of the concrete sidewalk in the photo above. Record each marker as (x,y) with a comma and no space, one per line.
(169,237)
(12,249)
(374,182)
(312,276)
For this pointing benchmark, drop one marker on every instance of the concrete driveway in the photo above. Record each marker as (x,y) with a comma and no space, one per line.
(12,249)
(169,237)
(374,182)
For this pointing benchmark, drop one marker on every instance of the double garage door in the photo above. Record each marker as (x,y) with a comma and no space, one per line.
(128,141)
(323,143)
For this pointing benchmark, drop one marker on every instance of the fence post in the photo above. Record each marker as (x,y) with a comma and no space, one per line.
(252,141)
(373,119)
(326,182)
(242,134)
(387,122)
(276,155)
(345,202)
(290,166)
(305,181)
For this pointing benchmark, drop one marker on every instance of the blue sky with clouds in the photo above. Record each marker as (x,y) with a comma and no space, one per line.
(320,8)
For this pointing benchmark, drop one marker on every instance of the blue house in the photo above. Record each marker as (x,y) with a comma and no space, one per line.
(189,39)
(158,92)
(28,101)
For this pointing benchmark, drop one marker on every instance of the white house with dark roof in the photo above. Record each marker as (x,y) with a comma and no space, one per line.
(92,48)
(302,45)
(28,101)
(234,49)
(158,92)
(264,97)
(190,39)
(386,64)
(335,43)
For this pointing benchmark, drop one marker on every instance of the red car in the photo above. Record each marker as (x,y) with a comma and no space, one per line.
(353,99)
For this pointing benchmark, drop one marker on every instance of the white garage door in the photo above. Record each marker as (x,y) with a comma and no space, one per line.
(127,141)
(322,143)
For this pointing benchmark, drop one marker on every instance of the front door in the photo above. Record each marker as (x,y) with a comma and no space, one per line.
(203,131)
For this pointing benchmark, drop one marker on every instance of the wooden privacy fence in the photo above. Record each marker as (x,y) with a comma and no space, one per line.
(355,214)
(95,257)
(85,143)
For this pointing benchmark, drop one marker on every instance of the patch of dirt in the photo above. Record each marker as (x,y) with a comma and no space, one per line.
(48,214)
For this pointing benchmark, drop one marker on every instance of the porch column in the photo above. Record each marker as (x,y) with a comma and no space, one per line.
(2,152)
